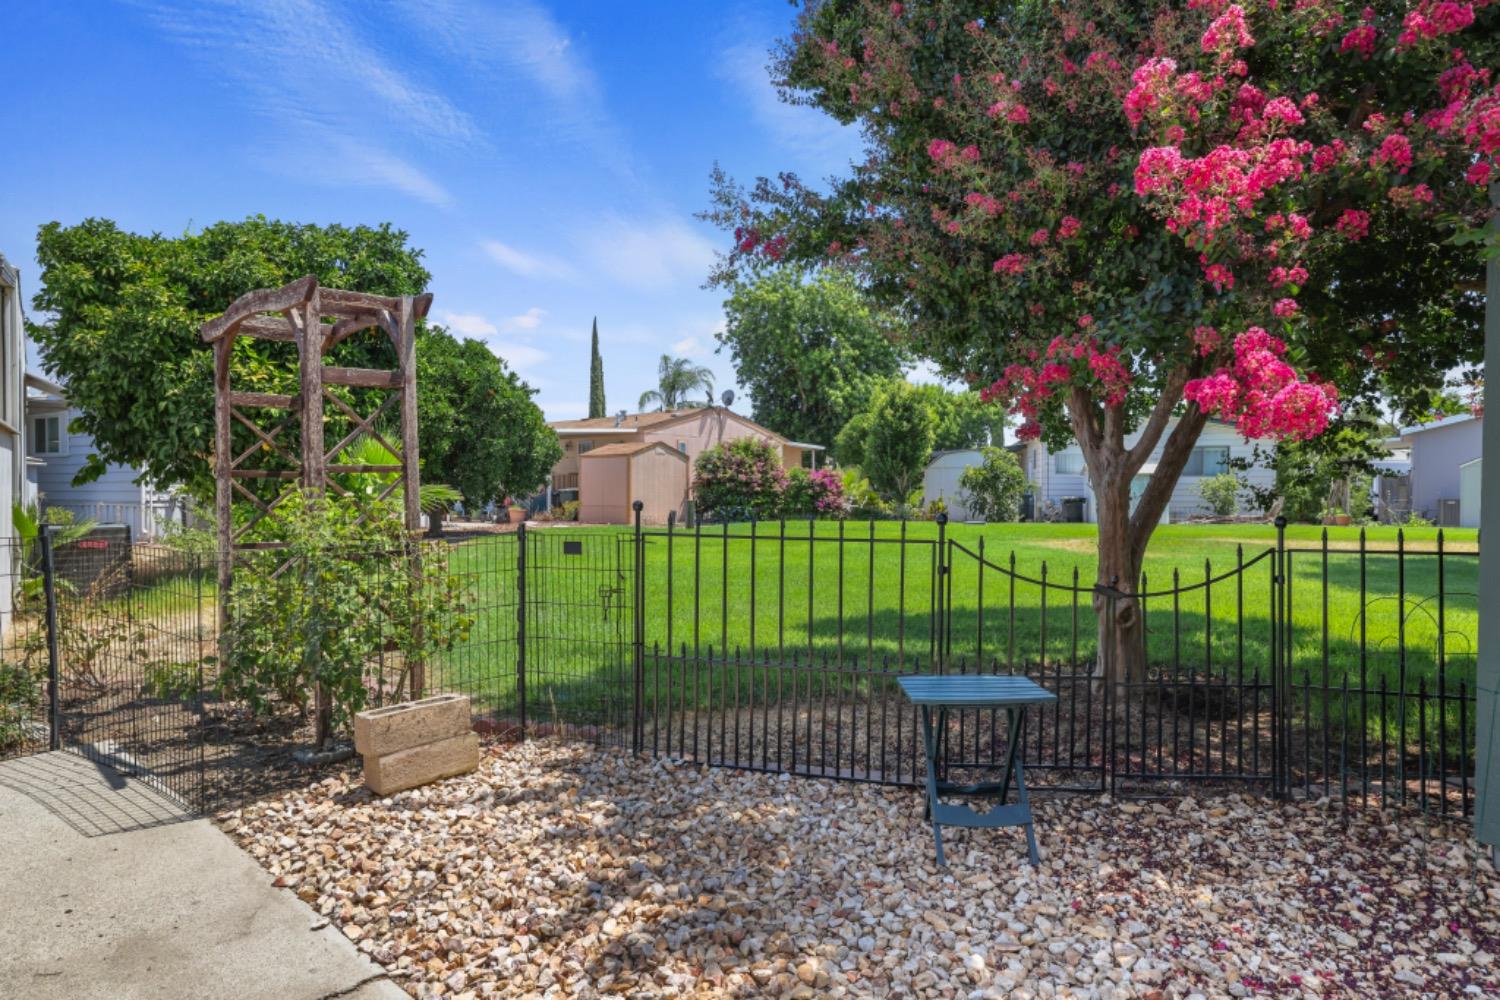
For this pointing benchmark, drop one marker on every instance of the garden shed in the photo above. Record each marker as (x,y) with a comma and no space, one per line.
(612,477)
(940,480)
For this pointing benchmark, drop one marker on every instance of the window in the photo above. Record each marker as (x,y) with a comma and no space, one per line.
(1207,462)
(47,436)
(1068,463)
(682,447)
(585,446)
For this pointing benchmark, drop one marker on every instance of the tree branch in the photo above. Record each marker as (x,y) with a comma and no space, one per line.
(1171,395)
(1158,492)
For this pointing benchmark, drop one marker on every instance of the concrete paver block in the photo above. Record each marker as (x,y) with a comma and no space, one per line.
(382,731)
(405,769)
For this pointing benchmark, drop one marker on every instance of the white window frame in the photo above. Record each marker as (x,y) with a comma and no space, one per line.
(1198,459)
(42,431)
(1057,463)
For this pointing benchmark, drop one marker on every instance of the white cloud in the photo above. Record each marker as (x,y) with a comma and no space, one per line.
(499,41)
(468,324)
(528,265)
(649,254)
(522,358)
(336,107)
(379,169)
(528,320)
(687,346)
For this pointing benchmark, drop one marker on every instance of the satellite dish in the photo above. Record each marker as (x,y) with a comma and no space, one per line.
(728,397)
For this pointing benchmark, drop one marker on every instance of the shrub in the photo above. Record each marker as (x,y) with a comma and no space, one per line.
(337,603)
(740,480)
(899,442)
(863,500)
(20,704)
(1221,494)
(565,511)
(819,493)
(993,488)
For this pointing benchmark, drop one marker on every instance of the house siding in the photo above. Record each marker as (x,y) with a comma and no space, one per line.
(113,498)
(687,435)
(1048,484)
(12,434)
(1436,454)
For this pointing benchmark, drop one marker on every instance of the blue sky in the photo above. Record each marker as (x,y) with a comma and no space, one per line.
(547,157)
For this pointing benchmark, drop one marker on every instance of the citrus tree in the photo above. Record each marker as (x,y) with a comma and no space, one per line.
(1121,218)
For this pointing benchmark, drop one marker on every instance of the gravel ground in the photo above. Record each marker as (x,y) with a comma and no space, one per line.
(561,871)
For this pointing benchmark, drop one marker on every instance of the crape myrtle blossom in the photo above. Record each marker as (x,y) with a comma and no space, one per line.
(1262,395)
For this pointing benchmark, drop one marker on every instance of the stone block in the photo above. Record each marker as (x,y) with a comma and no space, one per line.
(409,768)
(382,731)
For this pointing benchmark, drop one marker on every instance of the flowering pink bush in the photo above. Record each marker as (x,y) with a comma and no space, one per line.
(819,493)
(740,480)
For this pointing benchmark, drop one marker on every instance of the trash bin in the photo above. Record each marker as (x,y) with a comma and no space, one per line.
(1028,506)
(1072,509)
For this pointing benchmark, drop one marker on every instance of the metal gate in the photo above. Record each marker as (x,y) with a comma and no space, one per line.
(126,633)
(576,633)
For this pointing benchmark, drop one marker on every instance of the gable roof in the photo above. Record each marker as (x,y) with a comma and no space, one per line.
(631,423)
(625,448)
(634,422)
(1433,425)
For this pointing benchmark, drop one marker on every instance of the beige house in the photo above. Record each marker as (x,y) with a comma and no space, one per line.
(610,462)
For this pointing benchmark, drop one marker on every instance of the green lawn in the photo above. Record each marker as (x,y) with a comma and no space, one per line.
(872,599)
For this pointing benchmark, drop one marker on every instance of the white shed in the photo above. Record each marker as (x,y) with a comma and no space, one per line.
(1469,475)
(940,481)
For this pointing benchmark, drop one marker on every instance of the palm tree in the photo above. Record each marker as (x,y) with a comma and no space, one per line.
(676,378)
(369,486)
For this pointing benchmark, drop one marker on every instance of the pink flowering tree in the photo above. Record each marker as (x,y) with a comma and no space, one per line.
(1121,219)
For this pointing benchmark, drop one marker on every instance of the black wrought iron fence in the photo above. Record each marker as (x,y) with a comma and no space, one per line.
(1332,670)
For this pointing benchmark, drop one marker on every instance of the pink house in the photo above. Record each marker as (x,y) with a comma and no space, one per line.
(610,462)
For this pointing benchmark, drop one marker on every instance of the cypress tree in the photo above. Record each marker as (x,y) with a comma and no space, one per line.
(596,378)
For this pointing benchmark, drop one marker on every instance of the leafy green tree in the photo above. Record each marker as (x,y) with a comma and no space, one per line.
(993,488)
(899,441)
(123,312)
(480,431)
(849,446)
(811,352)
(597,406)
(676,380)
(961,419)
(123,334)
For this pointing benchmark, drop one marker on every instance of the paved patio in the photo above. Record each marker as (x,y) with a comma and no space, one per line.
(112,892)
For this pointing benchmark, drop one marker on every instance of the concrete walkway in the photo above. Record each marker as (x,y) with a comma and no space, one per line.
(107,890)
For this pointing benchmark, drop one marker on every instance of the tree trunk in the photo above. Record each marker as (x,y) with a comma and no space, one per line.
(1122,646)
(1123,532)
(435,523)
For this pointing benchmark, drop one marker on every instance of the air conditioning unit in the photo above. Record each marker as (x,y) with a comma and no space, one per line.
(1448,513)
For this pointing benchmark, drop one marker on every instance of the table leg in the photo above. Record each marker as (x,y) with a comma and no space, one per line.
(929,740)
(1016,766)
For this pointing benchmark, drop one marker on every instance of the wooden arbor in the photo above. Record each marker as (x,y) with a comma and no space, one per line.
(298,313)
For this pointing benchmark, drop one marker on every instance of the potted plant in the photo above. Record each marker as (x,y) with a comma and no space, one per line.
(1336,516)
